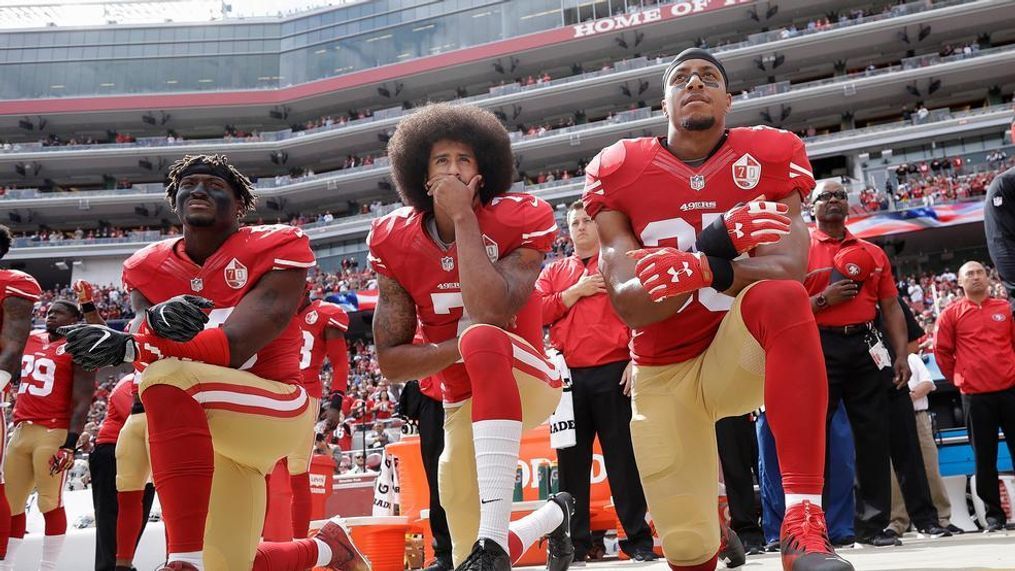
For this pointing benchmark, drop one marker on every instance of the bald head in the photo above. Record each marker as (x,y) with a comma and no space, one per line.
(973,280)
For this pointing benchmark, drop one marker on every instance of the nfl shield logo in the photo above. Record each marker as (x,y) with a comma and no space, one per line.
(998,200)
(747,172)
(697,182)
(492,250)
(197,284)
(447,263)
(236,274)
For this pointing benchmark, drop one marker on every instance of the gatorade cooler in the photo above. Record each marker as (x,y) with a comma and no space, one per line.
(381,539)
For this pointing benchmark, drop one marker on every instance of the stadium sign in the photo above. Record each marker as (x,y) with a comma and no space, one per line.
(624,21)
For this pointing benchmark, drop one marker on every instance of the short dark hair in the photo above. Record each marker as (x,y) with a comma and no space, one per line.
(217,165)
(5,240)
(576,205)
(410,146)
(71,306)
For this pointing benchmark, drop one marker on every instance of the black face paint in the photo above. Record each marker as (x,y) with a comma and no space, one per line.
(215,193)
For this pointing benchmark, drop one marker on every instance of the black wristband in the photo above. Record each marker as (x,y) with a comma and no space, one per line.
(87,307)
(715,240)
(722,273)
(72,441)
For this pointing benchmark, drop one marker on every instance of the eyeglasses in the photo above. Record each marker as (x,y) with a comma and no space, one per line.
(828,195)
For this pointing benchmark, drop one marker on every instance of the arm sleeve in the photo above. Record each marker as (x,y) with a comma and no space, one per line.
(24,286)
(376,255)
(550,303)
(800,175)
(293,252)
(944,345)
(540,230)
(920,372)
(338,354)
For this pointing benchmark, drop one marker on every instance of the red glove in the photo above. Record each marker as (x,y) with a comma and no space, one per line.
(84,291)
(64,456)
(62,460)
(755,223)
(668,272)
(744,228)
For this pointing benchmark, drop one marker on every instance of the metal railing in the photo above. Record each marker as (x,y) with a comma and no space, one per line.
(508,89)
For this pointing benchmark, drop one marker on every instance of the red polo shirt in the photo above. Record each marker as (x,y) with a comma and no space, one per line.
(878,286)
(589,333)
(975,345)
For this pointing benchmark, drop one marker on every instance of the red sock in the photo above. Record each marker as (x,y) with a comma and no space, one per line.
(488,354)
(706,566)
(515,547)
(183,462)
(291,555)
(128,523)
(778,315)
(18,526)
(5,519)
(301,504)
(56,521)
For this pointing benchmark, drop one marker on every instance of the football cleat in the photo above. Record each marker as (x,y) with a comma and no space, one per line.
(731,549)
(487,555)
(344,554)
(805,545)
(560,550)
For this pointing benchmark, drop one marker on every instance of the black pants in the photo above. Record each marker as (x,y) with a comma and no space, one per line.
(907,460)
(102,464)
(854,379)
(600,408)
(738,454)
(431,441)
(985,413)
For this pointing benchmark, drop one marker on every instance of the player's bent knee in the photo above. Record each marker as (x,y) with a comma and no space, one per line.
(483,337)
(164,372)
(776,304)
(688,546)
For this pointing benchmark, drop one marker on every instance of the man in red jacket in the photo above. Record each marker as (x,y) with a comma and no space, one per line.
(585,329)
(975,349)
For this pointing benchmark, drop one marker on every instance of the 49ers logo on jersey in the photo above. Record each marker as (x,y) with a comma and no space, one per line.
(236,274)
(311,318)
(747,172)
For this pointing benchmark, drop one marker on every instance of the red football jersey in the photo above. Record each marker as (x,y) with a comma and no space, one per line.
(668,202)
(313,320)
(47,382)
(118,407)
(402,249)
(162,270)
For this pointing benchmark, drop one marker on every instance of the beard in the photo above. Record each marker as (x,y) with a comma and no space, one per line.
(698,123)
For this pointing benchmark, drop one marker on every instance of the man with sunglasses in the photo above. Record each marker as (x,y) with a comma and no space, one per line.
(850,281)
(703,249)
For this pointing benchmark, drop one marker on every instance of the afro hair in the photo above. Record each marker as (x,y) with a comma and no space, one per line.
(410,146)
